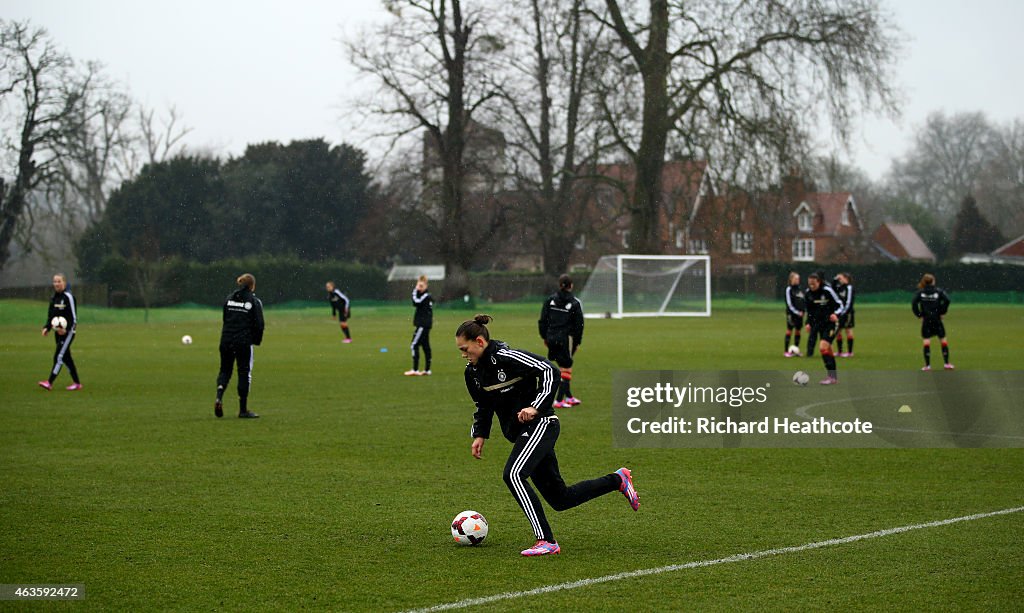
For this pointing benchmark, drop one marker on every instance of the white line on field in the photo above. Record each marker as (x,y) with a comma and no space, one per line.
(740,557)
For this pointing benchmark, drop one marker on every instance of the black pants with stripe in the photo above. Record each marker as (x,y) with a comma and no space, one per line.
(533,457)
(420,338)
(62,355)
(229,355)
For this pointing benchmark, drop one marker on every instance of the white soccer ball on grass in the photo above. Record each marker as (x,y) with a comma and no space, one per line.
(794,350)
(469,528)
(801,378)
(186,340)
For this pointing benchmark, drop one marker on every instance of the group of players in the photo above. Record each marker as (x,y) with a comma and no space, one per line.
(830,316)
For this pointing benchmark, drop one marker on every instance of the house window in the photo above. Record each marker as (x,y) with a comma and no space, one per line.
(803,250)
(804,222)
(581,242)
(742,242)
(698,246)
(845,218)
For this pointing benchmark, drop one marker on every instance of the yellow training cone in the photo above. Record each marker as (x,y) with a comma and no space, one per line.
(905,409)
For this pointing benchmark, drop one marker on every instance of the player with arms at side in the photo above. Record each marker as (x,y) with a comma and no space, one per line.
(339,307)
(794,313)
(930,304)
(844,289)
(518,387)
(423,320)
(823,311)
(241,330)
(62,304)
(561,327)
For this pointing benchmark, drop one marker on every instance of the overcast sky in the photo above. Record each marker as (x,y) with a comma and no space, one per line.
(241,72)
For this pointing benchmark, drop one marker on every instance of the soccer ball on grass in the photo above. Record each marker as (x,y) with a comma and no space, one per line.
(794,350)
(59,323)
(186,340)
(801,378)
(469,528)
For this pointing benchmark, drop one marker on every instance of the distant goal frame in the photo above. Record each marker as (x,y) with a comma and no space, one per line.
(619,313)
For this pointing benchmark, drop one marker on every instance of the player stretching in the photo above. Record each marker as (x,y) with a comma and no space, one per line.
(844,289)
(518,386)
(823,311)
(423,320)
(561,327)
(340,306)
(929,305)
(794,313)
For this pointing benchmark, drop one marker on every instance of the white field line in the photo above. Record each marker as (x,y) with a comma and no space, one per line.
(740,557)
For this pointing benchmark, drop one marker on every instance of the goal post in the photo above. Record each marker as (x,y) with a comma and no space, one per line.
(648,286)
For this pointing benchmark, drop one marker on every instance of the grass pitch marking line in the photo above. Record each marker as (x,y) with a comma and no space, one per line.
(740,557)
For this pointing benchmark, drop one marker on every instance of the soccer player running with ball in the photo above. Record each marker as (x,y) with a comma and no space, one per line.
(794,314)
(930,303)
(561,327)
(823,311)
(339,306)
(423,320)
(241,330)
(62,304)
(518,387)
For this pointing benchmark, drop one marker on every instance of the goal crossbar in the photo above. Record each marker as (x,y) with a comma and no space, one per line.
(629,285)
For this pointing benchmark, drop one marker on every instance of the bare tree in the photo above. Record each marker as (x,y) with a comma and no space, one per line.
(752,74)
(432,63)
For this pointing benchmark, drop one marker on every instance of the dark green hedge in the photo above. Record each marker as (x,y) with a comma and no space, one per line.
(278,280)
(897,276)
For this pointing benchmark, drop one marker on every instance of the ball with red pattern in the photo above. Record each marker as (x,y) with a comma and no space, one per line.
(469,528)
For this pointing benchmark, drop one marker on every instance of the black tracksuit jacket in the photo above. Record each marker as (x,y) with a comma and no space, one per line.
(243,319)
(505,381)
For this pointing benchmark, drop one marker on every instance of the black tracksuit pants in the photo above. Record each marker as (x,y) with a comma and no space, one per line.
(62,355)
(229,355)
(420,338)
(533,457)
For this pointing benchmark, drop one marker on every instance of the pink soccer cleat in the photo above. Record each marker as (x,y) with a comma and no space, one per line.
(45,385)
(572,401)
(542,548)
(788,354)
(74,387)
(347,340)
(627,489)
(926,368)
(412,373)
(949,367)
(558,404)
(829,381)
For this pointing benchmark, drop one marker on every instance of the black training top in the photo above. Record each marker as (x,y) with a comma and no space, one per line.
(561,319)
(243,319)
(62,304)
(424,303)
(503,382)
(821,303)
(795,303)
(930,302)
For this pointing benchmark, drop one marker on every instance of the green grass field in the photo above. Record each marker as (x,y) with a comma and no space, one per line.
(339,497)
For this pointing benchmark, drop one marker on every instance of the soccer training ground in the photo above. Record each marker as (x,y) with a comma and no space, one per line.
(340,495)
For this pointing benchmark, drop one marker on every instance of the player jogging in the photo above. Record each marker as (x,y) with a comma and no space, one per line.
(423,320)
(794,313)
(929,305)
(340,306)
(823,311)
(242,329)
(844,289)
(62,304)
(561,327)
(518,387)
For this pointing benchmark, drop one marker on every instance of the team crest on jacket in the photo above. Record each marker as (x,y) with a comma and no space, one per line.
(501,376)
(248,305)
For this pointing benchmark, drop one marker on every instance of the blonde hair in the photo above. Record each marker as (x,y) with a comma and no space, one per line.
(246,280)
(422,278)
(926,280)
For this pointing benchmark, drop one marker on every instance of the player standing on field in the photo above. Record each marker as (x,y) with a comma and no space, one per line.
(844,289)
(794,313)
(423,320)
(823,311)
(561,327)
(929,305)
(242,328)
(62,304)
(518,387)
(340,306)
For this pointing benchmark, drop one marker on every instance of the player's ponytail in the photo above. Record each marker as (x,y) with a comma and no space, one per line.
(926,280)
(247,281)
(476,327)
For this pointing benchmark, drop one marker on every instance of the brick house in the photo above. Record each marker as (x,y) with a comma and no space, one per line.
(899,241)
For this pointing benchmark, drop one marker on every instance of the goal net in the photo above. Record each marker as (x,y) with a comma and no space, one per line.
(648,286)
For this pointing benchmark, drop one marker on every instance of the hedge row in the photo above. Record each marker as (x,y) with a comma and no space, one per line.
(278,280)
(903,276)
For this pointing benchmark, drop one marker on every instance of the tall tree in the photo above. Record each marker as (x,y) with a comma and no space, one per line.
(41,97)
(972,233)
(432,62)
(751,73)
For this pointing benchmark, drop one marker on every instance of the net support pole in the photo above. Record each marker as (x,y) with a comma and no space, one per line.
(618,281)
(675,284)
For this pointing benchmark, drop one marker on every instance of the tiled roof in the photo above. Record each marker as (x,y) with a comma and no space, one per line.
(908,244)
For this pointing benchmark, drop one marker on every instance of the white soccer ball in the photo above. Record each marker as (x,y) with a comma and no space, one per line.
(794,350)
(59,323)
(186,340)
(469,528)
(801,378)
